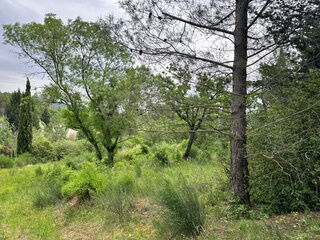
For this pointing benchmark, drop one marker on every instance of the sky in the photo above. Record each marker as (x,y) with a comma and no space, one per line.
(13,71)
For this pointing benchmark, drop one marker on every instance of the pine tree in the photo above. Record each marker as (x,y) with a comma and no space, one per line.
(24,141)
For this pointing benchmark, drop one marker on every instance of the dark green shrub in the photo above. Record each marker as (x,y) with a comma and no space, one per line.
(43,151)
(285,170)
(184,214)
(84,182)
(161,156)
(6,162)
(164,153)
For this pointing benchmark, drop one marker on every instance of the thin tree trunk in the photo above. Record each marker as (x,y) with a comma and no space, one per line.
(92,141)
(192,138)
(89,137)
(239,163)
(110,157)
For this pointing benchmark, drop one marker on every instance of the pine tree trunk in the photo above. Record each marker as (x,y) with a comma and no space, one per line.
(239,163)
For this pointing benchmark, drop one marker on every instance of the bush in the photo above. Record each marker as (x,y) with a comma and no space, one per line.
(184,214)
(43,150)
(161,156)
(84,182)
(69,148)
(75,162)
(6,162)
(25,159)
(130,154)
(48,191)
(165,153)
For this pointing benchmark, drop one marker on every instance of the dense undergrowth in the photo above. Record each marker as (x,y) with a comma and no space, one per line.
(150,193)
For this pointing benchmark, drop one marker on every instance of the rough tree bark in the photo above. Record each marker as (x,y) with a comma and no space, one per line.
(239,162)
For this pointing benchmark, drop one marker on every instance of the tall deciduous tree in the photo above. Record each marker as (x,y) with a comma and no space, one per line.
(90,72)
(194,98)
(24,139)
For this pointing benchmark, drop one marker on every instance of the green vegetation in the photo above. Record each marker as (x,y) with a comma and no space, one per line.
(157,205)
(24,138)
(112,149)
(184,214)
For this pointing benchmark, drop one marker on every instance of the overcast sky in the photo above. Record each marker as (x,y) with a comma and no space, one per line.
(13,71)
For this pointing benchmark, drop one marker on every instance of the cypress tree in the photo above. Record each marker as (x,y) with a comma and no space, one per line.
(24,141)
(12,110)
(45,117)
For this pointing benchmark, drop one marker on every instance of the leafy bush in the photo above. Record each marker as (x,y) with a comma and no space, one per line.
(25,159)
(184,214)
(84,182)
(161,156)
(75,162)
(137,141)
(165,153)
(285,169)
(129,154)
(6,162)
(43,150)
(69,148)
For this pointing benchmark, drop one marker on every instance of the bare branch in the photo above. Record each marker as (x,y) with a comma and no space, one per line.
(259,13)
(197,24)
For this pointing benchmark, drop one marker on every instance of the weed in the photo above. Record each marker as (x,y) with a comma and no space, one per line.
(184,215)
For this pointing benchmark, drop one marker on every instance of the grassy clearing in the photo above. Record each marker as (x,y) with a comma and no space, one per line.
(140,220)
(19,220)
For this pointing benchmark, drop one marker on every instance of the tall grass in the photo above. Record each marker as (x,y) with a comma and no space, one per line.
(183,214)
